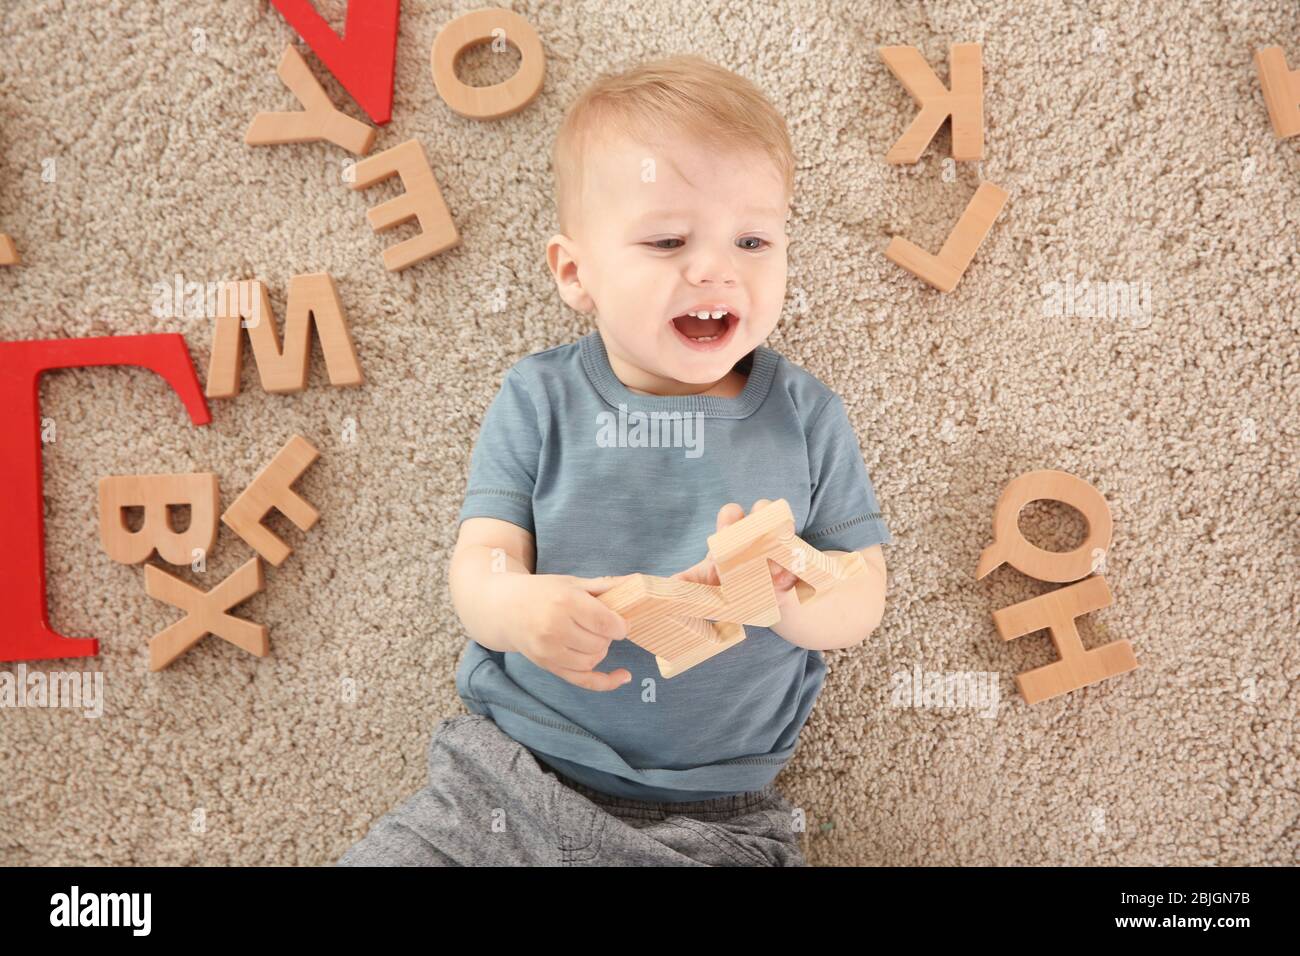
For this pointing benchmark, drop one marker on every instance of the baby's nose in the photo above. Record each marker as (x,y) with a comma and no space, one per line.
(711,266)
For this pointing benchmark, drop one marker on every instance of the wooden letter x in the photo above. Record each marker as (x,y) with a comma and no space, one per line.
(205,613)
(422,202)
(270,489)
(964,102)
(945,270)
(670,617)
(316,121)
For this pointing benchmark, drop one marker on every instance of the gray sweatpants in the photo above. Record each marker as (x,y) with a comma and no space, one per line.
(490,802)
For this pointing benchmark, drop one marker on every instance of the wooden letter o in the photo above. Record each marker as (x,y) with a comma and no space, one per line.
(500,99)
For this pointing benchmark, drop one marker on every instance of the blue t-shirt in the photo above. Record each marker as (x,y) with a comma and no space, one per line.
(610,482)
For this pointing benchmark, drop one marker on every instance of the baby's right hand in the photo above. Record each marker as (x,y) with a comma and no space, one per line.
(561,627)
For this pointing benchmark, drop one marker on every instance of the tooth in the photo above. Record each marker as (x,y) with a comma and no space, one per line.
(720,313)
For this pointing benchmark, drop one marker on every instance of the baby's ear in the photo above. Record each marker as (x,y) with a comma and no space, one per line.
(561,258)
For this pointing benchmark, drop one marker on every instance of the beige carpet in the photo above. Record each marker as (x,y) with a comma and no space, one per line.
(1136,148)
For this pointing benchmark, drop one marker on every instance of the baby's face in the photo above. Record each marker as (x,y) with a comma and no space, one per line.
(671,229)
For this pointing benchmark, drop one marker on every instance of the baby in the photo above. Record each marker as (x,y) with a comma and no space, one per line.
(674,185)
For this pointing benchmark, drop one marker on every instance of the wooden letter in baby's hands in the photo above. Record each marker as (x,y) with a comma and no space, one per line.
(673,618)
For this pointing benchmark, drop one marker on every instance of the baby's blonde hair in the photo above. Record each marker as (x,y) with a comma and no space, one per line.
(679,94)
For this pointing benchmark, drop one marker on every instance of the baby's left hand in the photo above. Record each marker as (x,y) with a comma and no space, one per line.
(704,572)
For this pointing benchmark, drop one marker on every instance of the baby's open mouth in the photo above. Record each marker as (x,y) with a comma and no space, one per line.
(705,329)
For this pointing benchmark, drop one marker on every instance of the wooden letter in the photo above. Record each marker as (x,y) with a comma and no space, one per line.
(155,493)
(8,251)
(945,270)
(1009,545)
(26,634)
(1281,86)
(501,99)
(318,119)
(964,102)
(670,617)
(363,58)
(422,202)
(313,302)
(205,613)
(270,489)
(1057,611)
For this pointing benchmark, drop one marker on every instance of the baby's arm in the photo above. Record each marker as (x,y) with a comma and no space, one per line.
(841,617)
(486,549)
(554,620)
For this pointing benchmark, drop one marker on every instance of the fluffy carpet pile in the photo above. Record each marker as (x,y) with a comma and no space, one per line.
(1136,148)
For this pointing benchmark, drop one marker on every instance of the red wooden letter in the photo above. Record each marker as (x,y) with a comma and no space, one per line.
(363,58)
(26,634)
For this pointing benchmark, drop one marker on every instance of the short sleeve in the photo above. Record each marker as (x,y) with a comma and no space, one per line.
(844,514)
(503,465)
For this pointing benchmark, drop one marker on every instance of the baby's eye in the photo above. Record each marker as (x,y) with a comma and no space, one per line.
(656,243)
(761,242)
